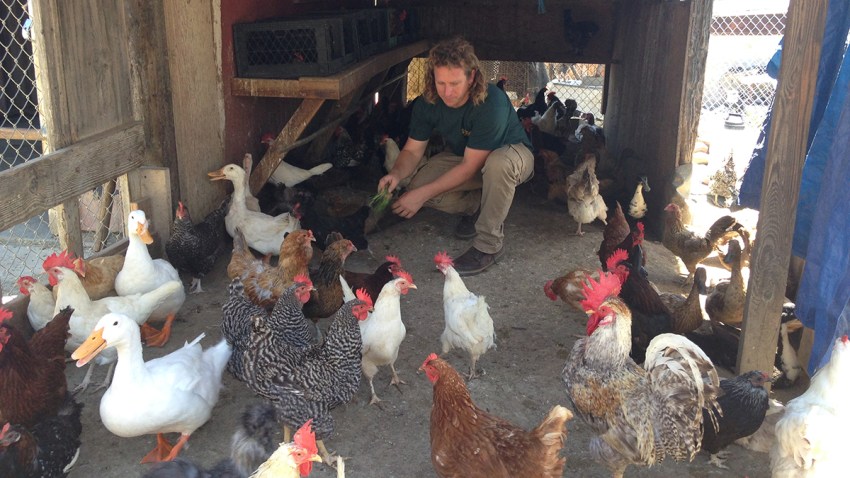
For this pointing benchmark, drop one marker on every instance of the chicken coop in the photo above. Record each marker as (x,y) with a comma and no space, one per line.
(139,100)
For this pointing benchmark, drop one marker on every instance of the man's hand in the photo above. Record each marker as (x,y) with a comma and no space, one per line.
(388,183)
(409,203)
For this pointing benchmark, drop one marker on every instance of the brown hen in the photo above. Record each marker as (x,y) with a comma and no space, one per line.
(687,245)
(265,284)
(328,296)
(97,275)
(468,442)
(32,373)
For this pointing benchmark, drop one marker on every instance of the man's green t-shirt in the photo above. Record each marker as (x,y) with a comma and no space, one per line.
(487,126)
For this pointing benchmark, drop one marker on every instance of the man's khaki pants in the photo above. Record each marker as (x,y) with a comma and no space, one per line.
(492,189)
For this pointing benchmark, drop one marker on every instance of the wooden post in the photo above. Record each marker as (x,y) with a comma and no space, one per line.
(104,216)
(786,153)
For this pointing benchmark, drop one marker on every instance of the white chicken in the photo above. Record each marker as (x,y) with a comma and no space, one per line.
(142,274)
(293,459)
(583,200)
(262,232)
(391,152)
(468,322)
(290,175)
(173,393)
(384,330)
(810,435)
(41,305)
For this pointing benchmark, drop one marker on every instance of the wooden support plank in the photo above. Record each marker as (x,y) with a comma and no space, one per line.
(66,219)
(104,216)
(332,87)
(150,187)
(62,175)
(692,78)
(291,132)
(786,154)
(23,134)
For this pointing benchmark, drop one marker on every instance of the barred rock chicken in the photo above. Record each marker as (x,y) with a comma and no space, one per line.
(810,436)
(583,200)
(47,449)
(265,283)
(290,175)
(97,275)
(726,302)
(744,403)
(252,443)
(278,340)
(687,311)
(374,282)
(194,248)
(466,441)
(41,304)
(326,376)
(383,333)
(243,324)
(688,246)
(292,460)
(32,373)
(142,274)
(328,296)
(641,414)
(468,322)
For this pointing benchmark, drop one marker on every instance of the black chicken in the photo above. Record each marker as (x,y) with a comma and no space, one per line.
(194,248)
(744,403)
(47,449)
(578,34)
(352,227)
(252,443)
(539,105)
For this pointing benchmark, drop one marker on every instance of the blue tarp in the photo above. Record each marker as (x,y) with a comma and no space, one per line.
(822,229)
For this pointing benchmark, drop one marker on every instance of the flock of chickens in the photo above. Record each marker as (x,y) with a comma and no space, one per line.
(643,379)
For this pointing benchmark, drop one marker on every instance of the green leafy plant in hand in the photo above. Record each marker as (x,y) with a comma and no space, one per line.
(380,201)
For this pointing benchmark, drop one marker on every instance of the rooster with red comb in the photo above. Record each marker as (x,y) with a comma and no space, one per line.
(641,414)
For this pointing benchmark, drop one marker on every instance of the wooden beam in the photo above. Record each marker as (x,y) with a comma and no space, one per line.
(24,134)
(332,87)
(693,78)
(59,177)
(786,154)
(150,187)
(291,132)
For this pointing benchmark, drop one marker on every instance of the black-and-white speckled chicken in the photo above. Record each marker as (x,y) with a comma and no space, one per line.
(48,449)
(722,185)
(343,151)
(327,376)
(194,248)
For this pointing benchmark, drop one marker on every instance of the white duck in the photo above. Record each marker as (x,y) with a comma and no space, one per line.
(142,274)
(637,206)
(41,305)
(262,232)
(173,393)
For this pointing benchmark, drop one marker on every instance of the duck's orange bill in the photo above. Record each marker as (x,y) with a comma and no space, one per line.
(93,345)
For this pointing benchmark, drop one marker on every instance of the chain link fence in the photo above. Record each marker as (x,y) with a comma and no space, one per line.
(24,246)
(581,82)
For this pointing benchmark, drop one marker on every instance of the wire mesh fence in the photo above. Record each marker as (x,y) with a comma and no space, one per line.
(24,246)
(522,81)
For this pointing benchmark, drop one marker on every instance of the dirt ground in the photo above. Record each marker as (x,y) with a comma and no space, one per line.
(523,374)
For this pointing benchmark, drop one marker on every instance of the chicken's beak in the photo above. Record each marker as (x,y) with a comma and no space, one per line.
(93,345)
(316,458)
(144,234)
(216,175)
(412,286)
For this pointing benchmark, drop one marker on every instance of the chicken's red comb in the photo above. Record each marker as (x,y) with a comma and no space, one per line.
(305,437)
(5,314)
(266,138)
(303,279)
(63,259)
(617,257)
(443,258)
(401,273)
(639,234)
(5,429)
(29,279)
(394,259)
(364,296)
(844,339)
(595,292)
(428,359)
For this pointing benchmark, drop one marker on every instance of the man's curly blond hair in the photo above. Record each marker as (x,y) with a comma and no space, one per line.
(458,53)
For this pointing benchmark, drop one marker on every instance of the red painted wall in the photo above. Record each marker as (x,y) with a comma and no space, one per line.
(247,118)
